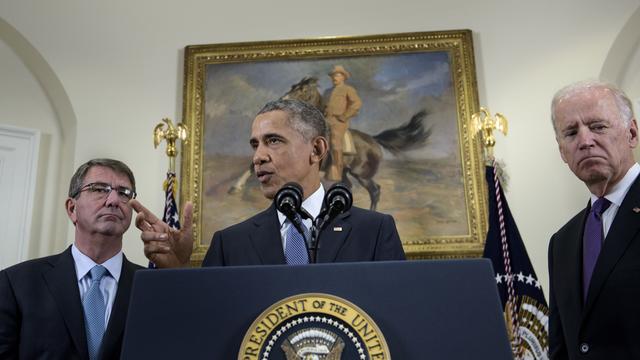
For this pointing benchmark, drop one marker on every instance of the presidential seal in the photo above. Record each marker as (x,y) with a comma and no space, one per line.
(533,323)
(313,326)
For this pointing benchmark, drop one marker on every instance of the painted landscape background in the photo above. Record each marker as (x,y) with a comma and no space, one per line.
(423,189)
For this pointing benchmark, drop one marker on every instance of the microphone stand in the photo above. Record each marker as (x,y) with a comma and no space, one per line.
(312,249)
(336,201)
(313,245)
(318,225)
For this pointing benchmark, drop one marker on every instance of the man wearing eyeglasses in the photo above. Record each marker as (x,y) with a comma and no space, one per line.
(73,305)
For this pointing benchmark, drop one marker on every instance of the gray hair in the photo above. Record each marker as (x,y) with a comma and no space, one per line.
(306,119)
(76,183)
(622,100)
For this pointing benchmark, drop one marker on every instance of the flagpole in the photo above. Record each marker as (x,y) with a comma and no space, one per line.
(484,125)
(525,307)
(170,133)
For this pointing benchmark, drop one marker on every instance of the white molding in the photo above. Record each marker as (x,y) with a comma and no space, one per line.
(19,153)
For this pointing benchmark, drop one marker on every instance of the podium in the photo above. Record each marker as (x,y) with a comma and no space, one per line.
(378,310)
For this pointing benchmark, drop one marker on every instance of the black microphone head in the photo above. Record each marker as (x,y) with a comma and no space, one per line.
(338,198)
(289,199)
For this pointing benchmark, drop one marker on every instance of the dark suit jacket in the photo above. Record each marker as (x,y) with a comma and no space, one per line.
(608,325)
(357,235)
(41,314)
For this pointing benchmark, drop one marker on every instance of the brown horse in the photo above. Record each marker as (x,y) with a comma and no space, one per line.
(364,164)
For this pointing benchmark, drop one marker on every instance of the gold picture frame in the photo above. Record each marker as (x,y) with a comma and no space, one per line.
(436,192)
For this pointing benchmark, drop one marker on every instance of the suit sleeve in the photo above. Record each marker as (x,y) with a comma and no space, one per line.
(214,256)
(557,345)
(389,246)
(9,319)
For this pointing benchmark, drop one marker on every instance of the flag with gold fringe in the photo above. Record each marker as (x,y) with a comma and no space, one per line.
(170,215)
(525,307)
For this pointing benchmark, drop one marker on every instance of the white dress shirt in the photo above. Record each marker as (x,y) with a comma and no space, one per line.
(109,282)
(313,205)
(616,195)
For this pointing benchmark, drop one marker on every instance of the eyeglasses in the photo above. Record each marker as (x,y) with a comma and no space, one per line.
(98,190)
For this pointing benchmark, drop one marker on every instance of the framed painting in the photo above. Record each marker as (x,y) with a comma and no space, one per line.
(433,186)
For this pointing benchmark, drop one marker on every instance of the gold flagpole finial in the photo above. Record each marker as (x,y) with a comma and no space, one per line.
(484,124)
(171,133)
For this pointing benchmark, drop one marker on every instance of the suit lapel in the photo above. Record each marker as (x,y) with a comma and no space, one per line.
(333,237)
(63,285)
(118,316)
(266,239)
(623,230)
(572,273)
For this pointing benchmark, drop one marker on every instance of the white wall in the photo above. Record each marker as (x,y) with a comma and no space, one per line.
(120,63)
(18,173)
(622,65)
(24,103)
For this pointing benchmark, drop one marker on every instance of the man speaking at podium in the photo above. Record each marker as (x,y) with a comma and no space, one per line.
(289,141)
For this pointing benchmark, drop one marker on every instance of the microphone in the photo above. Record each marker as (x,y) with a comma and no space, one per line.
(289,199)
(338,200)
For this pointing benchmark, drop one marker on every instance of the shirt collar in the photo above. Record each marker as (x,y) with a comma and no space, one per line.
(84,264)
(313,204)
(620,190)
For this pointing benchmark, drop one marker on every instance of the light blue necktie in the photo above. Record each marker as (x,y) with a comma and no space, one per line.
(94,312)
(296,249)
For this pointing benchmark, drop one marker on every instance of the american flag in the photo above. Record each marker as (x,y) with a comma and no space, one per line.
(170,215)
(522,298)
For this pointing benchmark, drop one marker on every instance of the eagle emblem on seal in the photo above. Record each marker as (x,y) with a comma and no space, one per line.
(313,344)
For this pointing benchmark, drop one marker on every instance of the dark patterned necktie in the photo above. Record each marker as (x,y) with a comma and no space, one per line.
(592,242)
(296,249)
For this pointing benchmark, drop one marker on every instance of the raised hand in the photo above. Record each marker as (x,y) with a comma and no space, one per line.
(164,246)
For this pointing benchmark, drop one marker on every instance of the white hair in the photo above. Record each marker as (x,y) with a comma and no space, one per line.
(622,100)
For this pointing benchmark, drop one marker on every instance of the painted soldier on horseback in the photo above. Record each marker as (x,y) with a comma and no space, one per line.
(363,162)
(342,104)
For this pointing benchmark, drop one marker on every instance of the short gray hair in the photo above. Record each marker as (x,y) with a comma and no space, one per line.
(76,183)
(303,117)
(622,100)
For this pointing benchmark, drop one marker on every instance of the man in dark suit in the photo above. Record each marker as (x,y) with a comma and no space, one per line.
(594,260)
(289,141)
(358,235)
(74,305)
